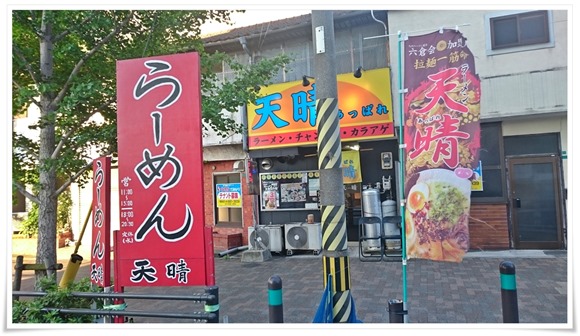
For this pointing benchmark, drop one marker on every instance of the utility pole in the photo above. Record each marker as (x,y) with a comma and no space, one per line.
(334,242)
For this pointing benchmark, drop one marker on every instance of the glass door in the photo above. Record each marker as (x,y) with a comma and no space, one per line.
(535,202)
(352,200)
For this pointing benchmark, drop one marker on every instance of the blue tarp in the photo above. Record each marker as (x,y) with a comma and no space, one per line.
(324,311)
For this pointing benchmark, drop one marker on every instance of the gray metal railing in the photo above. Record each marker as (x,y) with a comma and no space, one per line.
(210,298)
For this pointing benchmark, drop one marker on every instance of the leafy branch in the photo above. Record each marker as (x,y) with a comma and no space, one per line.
(82,61)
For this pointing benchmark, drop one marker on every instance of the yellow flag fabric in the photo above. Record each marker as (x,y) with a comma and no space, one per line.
(351,167)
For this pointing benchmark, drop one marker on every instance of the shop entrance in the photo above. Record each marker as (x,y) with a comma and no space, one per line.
(535,202)
(352,200)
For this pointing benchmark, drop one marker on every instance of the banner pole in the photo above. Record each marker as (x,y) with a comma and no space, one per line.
(401,39)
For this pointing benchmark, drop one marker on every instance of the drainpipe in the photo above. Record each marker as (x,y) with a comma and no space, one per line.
(244,44)
(255,212)
(379,21)
(386,34)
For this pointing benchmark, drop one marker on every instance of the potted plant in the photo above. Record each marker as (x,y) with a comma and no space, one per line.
(64,236)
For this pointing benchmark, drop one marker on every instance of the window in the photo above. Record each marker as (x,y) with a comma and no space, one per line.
(351,51)
(491,156)
(229,215)
(302,60)
(518,31)
(548,143)
(223,70)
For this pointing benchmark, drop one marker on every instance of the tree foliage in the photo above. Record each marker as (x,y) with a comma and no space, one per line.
(63,216)
(64,65)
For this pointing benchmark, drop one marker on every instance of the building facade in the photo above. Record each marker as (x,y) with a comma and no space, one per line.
(521,59)
(281,165)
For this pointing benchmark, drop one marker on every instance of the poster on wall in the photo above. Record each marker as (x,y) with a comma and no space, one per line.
(228,195)
(289,190)
(292,192)
(271,198)
(442,138)
(477,180)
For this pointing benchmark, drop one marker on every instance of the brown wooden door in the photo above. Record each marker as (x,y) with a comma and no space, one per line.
(535,202)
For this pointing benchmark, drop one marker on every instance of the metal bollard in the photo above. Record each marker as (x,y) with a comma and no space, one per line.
(212,306)
(509,294)
(275,306)
(396,312)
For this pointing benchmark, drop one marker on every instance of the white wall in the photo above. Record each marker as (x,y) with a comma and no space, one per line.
(527,90)
(508,87)
(211,138)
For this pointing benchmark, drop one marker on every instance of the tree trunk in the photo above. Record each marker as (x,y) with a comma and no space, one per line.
(47,207)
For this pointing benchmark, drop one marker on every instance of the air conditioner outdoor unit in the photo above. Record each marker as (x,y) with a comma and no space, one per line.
(269,235)
(303,236)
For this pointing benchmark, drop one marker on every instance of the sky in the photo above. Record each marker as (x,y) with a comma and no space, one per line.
(251,17)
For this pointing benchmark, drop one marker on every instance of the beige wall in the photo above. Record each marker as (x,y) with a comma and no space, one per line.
(513,84)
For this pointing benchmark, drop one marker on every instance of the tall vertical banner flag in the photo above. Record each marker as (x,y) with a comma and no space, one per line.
(100,272)
(163,240)
(442,138)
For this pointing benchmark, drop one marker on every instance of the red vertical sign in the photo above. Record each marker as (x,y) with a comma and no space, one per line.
(162,237)
(100,272)
(442,138)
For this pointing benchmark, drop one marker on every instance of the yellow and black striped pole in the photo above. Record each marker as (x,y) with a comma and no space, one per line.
(334,243)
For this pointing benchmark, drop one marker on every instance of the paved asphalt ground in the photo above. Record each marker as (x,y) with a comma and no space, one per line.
(437,292)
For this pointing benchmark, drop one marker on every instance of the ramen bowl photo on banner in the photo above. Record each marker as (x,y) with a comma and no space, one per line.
(437,216)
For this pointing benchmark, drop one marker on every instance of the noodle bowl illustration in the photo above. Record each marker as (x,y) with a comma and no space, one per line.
(437,215)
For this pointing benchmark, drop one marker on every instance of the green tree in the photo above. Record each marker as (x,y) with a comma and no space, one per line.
(63,216)
(64,64)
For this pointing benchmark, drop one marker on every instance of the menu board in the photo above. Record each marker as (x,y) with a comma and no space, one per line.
(289,190)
